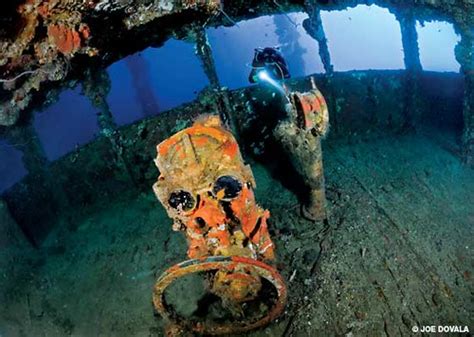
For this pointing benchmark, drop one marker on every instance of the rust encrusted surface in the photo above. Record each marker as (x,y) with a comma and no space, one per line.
(300,135)
(52,33)
(207,190)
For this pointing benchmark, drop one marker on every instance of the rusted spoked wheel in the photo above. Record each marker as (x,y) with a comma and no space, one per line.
(216,263)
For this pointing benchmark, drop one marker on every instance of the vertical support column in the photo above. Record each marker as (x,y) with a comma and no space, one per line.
(96,87)
(204,51)
(411,109)
(465,56)
(409,40)
(142,83)
(314,26)
(221,97)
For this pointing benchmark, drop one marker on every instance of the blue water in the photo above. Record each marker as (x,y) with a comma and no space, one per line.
(351,32)
(436,41)
(12,168)
(154,80)
(233,47)
(68,124)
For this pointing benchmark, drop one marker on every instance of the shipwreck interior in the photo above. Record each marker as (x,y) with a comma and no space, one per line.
(88,90)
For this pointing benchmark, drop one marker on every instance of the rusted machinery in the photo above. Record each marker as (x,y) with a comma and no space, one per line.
(208,192)
(300,133)
(306,122)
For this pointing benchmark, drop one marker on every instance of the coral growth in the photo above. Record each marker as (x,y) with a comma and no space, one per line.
(34,57)
(52,32)
(66,40)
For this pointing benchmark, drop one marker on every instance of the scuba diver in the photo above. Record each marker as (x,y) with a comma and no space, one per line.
(269,69)
(268,63)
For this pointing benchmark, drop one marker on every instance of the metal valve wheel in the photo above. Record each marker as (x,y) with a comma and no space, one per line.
(228,263)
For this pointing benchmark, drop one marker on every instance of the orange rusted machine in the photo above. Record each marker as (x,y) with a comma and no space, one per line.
(300,133)
(208,192)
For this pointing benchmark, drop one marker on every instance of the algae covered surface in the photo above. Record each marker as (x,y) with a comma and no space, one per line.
(395,252)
